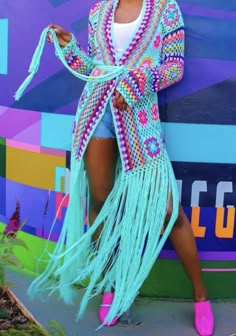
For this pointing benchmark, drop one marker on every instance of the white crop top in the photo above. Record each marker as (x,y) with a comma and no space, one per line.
(123,33)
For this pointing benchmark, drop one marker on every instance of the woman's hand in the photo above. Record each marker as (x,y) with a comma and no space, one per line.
(63,36)
(119,102)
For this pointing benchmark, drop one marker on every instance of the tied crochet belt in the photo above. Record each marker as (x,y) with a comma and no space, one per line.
(113,71)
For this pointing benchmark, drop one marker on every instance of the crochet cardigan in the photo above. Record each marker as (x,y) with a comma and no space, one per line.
(135,210)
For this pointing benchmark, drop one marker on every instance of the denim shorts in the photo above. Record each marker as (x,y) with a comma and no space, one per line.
(105,128)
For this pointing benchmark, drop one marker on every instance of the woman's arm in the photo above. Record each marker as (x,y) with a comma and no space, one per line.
(76,57)
(142,81)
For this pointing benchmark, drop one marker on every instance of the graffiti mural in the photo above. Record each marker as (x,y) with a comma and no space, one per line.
(198,114)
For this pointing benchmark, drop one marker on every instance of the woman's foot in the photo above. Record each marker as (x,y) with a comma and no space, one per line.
(107,299)
(204,319)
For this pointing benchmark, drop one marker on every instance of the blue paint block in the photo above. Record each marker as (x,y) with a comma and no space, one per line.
(56,3)
(80,25)
(3,46)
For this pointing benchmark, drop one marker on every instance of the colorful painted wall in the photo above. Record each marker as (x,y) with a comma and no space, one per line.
(199,121)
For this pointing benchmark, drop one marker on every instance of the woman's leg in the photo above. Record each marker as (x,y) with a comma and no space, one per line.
(100,164)
(184,243)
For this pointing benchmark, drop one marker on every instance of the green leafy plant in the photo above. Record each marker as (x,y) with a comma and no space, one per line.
(7,256)
(8,241)
(54,329)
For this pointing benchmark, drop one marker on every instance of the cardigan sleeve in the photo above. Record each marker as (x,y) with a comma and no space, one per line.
(76,57)
(141,81)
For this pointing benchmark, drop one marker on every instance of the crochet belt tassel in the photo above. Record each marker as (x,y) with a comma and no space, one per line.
(113,71)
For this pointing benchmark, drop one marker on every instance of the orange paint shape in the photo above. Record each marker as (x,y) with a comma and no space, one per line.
(198,231)
(32,168)
(221,230)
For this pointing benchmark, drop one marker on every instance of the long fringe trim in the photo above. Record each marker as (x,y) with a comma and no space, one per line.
(131,239)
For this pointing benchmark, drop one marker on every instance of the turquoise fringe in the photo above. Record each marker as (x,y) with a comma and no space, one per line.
(133,217)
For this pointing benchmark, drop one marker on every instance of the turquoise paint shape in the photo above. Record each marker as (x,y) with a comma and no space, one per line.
(201,142)
(185,142)
(3,46)
(56,131)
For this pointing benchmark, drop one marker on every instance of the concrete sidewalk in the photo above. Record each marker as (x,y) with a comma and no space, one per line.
(148,316)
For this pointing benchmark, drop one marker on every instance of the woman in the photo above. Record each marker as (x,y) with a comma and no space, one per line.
(135,49)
